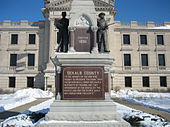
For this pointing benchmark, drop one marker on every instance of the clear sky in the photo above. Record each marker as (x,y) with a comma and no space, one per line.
(128,10)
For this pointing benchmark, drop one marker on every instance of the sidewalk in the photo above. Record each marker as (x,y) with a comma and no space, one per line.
(20,109)
(162,114)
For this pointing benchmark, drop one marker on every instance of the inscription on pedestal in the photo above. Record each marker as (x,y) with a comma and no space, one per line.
(83,83)
(83,39)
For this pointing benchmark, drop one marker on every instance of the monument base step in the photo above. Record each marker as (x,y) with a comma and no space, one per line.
(75,116)
(83,113)
(84,124)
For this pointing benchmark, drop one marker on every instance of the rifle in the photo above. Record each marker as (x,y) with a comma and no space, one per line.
(104,28)
(108,25)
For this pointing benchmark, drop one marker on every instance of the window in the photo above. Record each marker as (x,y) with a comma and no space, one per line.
(145,81)
(31,59)
(144,59)
(32,38)
(12,82)
(128,81)
(14,39)
(127,60)
(163,81)
(143,39)
(126,39)
(13,60)
(161,58)
(160,40)
(30,82)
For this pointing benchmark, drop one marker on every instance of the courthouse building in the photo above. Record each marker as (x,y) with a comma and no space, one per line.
(141,50)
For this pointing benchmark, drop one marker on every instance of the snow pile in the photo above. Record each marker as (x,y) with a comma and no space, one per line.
(26,118)
(161,27)
(36,93)
(137,94)
(21,97)
(159,101)
(138,118)
(18,121)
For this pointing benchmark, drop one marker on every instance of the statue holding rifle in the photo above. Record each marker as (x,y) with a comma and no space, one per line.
(102,33)
(62,35)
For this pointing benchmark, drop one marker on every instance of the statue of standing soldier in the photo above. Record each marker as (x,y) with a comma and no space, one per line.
(62,35)
(102,33)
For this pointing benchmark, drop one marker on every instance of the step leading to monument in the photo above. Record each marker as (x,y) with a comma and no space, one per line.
(83,113)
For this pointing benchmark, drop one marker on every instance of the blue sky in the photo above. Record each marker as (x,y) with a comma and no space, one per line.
(128,10)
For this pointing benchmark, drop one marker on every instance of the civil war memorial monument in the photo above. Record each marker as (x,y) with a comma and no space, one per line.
(82,63)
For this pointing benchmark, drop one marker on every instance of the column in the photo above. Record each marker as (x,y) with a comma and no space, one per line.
(58,82)
(52,37)
(107,81)
(94,48)
(71,46)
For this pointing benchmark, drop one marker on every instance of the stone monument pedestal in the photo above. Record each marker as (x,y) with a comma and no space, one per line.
(83,113)
(88,103)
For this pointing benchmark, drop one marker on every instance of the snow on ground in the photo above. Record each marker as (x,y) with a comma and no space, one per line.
(21,97)
(21,120)
(24,119)
(135,117)
(140,118)
(159,101)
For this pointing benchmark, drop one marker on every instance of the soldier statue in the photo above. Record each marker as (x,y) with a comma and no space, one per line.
(62,35)
(102,33)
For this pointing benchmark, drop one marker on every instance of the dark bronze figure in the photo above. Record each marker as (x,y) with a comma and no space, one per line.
(62,35)
(102,33)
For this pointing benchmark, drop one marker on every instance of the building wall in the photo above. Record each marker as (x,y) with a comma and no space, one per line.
(135,49)
(22,49)
(44,71)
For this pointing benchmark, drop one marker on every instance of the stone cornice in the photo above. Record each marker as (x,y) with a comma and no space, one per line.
(142,72)
(65,5)
(20,29)
(140,29)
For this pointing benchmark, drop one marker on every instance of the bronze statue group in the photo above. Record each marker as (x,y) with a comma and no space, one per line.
(63,33)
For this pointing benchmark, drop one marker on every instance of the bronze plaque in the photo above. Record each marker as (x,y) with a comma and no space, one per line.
(83,38)
(83,83)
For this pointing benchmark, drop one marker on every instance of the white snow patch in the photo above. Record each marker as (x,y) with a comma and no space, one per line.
(147,120)
(23,120)
(18,121)
(159,101)
(36,93)
(161,27)
(21,97)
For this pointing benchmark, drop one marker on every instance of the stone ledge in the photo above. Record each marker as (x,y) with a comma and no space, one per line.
(82,116)
(82,59)
(84,124)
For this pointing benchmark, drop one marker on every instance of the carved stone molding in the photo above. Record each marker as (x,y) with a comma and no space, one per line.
(94,28)
(65,5)
(81,22)
(71,28)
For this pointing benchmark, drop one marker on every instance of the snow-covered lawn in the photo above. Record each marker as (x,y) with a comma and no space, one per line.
(159,101)
(24,119)
(135,116)
(21,97)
